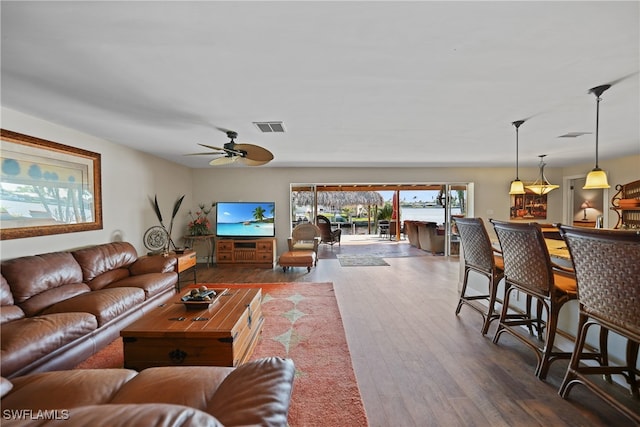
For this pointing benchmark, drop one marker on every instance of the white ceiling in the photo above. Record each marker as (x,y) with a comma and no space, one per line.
(420,83)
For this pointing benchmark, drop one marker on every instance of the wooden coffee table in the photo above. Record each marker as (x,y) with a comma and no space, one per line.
(223,334)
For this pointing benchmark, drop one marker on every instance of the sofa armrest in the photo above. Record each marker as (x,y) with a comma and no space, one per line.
(153,264)
(256,393)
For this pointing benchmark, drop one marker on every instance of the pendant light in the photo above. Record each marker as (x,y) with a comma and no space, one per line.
(597,178)
(541,185)
(517,187)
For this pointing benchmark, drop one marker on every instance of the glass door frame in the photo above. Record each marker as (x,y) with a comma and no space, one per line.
(448,189)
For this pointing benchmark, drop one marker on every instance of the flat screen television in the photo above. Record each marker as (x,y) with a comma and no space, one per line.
(245,219)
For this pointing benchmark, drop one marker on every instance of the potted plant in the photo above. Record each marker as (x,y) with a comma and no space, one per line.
(200,224)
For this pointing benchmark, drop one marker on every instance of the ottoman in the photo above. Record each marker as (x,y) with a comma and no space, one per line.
(297,259)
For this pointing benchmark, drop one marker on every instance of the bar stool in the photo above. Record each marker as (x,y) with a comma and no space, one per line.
(528,269)
(479,257)
(607,266)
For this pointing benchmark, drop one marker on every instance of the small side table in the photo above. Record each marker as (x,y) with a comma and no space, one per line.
(208,239)
(186,263)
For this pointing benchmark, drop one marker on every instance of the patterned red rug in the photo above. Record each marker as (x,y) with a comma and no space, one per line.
(302,322)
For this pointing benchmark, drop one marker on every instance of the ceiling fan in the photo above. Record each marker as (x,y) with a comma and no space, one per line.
(231,152)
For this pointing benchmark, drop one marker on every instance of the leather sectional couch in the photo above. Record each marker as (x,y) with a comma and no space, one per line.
(256,393)
(59,308)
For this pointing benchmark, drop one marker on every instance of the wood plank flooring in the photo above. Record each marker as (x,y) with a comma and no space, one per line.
(417,364)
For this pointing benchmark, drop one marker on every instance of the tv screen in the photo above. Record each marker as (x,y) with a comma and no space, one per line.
(245,219)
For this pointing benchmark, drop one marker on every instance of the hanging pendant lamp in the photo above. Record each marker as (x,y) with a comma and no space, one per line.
(517,187)
(597,178)
(541,185)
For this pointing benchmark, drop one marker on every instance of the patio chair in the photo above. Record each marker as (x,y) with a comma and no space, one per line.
(327,235)
(304,237)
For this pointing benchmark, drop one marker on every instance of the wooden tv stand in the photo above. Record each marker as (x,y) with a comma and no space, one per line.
(260,253)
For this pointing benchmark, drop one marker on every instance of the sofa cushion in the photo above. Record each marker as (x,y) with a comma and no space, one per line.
(74,388)
(6,298)
(97,260)
(26,340)
(52,277)
(152,284)
(153,264)
(108,277)
(8,311)
(168,385)
(104,304)
(256,393)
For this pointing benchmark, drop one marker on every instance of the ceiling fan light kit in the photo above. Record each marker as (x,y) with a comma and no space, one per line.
(516,185)
(542,186)
(597,178)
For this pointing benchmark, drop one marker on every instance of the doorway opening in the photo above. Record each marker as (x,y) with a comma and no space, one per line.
(379,212)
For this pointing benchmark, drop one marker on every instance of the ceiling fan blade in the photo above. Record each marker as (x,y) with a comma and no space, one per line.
(211,147)
(223,129)
(249,162)
(211,153)
(255,153)
(616,81)
(223,160)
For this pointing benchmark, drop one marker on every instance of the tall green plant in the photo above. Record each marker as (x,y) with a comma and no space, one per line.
(176,208)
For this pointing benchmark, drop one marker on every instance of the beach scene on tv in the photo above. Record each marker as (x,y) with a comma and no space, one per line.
(245,219)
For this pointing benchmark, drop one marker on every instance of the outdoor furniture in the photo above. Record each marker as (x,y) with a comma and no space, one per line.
(383,228)
(429,238)
(327,235)
(607,266)
(479,256)
(305,237)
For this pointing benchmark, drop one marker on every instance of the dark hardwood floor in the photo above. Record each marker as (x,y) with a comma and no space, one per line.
(417,364)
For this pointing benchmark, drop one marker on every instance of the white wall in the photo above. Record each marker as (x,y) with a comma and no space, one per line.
(129,178)
(272,184)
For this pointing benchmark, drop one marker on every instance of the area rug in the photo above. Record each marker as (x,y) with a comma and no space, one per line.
(382,249)
(360,260)
(302,322)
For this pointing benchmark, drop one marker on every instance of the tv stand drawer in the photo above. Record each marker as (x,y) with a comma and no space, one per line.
(259,253)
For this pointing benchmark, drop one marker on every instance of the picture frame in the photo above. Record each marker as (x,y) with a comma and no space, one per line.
(529,206)
(47,188)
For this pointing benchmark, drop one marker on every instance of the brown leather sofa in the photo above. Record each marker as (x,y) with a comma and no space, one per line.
(256,393)
(59,308)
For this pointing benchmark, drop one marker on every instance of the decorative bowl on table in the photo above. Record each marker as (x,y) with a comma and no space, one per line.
(201,298)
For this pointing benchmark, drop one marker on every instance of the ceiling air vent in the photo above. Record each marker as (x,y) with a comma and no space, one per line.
(270,126)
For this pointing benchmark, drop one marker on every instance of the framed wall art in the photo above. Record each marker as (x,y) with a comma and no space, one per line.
(529,206)
(47,187)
